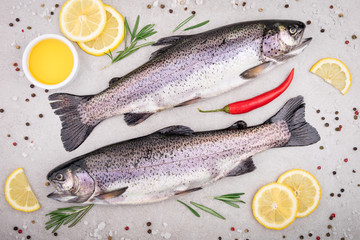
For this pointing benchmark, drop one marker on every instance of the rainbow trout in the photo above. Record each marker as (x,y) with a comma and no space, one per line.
(175,160)
(188,68)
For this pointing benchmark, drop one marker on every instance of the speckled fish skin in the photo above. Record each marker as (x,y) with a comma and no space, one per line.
(159,166)
(188,68)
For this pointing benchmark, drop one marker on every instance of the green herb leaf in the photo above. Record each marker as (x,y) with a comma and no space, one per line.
(183,23)
(133,34)
(230,203)
(232,195)
(208,210)
(63,216)
(190,208)
(197,25)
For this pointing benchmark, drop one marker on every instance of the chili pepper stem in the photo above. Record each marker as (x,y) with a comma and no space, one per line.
(224,109)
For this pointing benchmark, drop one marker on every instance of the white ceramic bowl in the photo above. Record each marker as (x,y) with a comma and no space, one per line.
(25,61)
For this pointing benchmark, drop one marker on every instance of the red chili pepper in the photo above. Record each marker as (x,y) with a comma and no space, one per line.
(255,102)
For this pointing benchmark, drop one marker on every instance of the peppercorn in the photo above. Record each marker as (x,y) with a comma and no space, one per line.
(354,108)
(322,118)
(336,112)
(329,227)
(286,5)
(332,194)
(52,13)
(342,190)
(336,118)
(149,231)
(41,115)
(1,110)
(347,42)
(334,172)
(301,237)
(55,234)
(310,234)
(317,238)
(56,5)
(243,4)
(16,228)
(185,9)
(319,167)
(149,6)
(342,238)
(127,228)
(26,100)
(346,160)
(15,64)
(339,195)
(260,9)
(17,19)
(193,12)
(14,143)
(232,229)
(333,215)
(148,224)
(42,5)
(11,24)
(354,171)
(355,117)
(219,238)
(322,30)
(47,184)
(33,95)
(28,237)
(27,124)
(20,231)
(109,237)
(308,22)
(354,36)
(26,138)
(171,11)
(326,124)
(246,230)
(284,236)
(17,47)
(8,135)
(33,221)
(341,15)
(321,147)
(162,6)
(331,6)
(318,111)
(17,69)
(29,28)
(354,148)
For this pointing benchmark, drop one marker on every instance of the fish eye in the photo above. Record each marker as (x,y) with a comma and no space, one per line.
(59,177)
(292,30)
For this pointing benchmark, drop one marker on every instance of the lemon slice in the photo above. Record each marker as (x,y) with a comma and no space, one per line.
(275,206)
(82,20)
(18,192)
(334,72)
(111,36)
(306,188)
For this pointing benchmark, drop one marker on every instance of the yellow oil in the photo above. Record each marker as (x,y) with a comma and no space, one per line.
(51,61)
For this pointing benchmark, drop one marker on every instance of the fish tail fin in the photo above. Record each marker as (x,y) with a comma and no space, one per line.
(74,131)
(293,112)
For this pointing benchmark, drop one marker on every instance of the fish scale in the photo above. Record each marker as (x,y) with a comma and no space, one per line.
(170,162)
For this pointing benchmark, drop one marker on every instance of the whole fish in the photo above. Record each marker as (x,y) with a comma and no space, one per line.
(187,69)
(175,160)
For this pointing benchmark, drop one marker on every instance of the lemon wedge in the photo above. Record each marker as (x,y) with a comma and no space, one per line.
(334,72)
(306,188)
(275,206)
(18,192)
(82,20)
(110,38)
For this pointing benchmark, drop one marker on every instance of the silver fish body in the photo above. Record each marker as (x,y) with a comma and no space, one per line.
(187,69)
(175,160)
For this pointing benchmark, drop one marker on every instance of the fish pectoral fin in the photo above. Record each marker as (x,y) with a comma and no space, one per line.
(238,125)
(133,119)
(177,130)
(188,191)
(112,194)
(245,166)
(115,80)
(188,102)
(255,71)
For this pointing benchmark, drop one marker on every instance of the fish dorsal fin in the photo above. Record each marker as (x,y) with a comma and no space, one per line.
(177,130)
(169,41)
(245,166)
(255,71)
(115,80)
(238,125)
(112,194)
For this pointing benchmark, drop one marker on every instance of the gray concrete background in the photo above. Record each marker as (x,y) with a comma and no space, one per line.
(169,218)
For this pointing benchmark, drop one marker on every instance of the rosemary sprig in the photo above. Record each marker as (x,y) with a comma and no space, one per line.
(184,22)
(190,208)
(135,37)
(230,199)
(209,210)
(63,216)
(197,25)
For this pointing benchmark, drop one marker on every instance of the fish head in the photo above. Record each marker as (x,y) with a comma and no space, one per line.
(283,39)
(73,184)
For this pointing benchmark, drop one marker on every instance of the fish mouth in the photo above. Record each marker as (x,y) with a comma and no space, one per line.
(301,46)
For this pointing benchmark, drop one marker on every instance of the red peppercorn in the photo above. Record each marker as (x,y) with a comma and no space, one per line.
(232,229)
(357,112)
(14,143)
(127,228)
(22,30)
(15,64)
(317,238)
(319,167)
(346,160)
(17,69)
(333,215)
(347,42)
(20,231)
